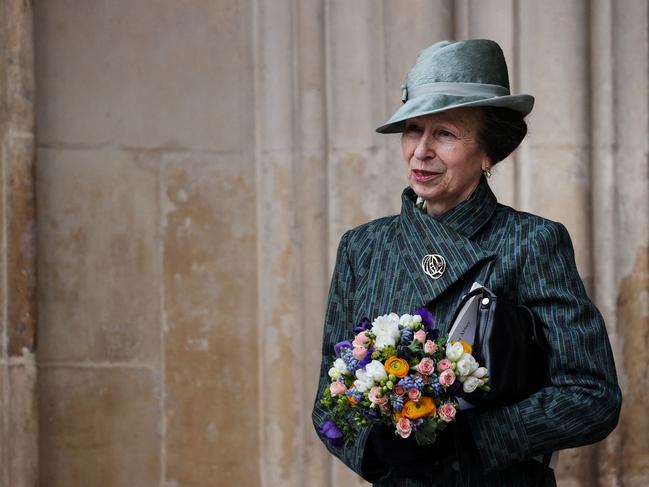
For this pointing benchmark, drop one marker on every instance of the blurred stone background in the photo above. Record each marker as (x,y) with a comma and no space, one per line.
(194,164)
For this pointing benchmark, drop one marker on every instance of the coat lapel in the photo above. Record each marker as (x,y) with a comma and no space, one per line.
(448,235)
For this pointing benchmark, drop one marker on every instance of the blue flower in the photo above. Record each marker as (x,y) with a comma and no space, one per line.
(406,336)
(332,433)
(396,402)
(350,362)
(438,389)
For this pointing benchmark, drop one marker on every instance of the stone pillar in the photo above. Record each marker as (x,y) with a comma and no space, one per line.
(18,412)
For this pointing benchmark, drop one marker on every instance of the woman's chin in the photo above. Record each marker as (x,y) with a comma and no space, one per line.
(423,190)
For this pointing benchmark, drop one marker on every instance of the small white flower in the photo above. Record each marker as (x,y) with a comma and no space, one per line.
(406,321)
(463,367)
(470,384)
(386,330)
(454,352)
(473,364)
(363,381)
(376,371)
(416,318)
(339,368)
(333,373)
(480,372)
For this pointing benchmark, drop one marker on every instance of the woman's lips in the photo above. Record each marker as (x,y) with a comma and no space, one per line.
(422,175)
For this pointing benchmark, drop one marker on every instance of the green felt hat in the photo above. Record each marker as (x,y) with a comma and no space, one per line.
(454,74)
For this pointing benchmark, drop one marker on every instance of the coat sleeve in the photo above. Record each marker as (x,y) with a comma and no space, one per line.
(339,326)
(581,403)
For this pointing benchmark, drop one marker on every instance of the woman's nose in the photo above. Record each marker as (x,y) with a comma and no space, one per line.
(424,149)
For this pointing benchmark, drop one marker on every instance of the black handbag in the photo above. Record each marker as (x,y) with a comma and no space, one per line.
(508,340)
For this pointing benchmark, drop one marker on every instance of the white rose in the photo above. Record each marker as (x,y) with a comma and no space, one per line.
(339,365)
(463,367)
(454,352)
(376,371)
(333,373)
(406,321)
(386,330)
(416,318)
(363,381)
(473,364)
(480,372)
(470,384)
(339,368)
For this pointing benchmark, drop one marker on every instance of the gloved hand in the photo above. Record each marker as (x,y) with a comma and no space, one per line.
(406,454)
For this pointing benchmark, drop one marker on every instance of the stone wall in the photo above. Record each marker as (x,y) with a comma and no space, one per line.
(197,163)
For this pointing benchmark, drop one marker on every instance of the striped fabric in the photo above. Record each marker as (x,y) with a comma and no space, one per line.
(378,270)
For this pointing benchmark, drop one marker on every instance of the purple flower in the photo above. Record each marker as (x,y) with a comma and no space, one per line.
(338,347)
(427,319)
(364,324)
(332,433)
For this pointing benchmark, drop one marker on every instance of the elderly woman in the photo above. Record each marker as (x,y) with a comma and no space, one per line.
(458,120)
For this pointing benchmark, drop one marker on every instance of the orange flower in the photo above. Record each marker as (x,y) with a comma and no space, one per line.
(351,400)
(415,410)
(397,366)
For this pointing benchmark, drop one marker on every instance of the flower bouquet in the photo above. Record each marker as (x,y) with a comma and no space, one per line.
(398,371)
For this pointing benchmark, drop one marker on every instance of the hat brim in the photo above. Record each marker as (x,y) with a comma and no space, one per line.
(436,103)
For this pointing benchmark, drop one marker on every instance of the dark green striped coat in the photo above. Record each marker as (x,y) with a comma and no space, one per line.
(378,270)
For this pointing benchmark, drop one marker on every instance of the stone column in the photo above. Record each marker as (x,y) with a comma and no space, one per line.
(18,416)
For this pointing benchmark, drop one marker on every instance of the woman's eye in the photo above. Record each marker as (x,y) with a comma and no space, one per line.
(445,133)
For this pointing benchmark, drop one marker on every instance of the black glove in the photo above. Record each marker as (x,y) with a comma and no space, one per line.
(405,454)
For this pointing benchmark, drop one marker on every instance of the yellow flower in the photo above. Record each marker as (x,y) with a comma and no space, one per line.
(415,410)
(397,366)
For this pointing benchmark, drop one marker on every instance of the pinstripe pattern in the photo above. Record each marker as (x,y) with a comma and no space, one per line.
(378,271)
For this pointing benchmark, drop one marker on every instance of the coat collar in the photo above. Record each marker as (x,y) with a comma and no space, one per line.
(449,235)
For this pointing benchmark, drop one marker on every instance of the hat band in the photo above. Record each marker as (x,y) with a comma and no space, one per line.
(454,89)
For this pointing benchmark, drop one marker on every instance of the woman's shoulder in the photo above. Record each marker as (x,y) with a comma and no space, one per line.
(366,236)
(530,226)
(381,226)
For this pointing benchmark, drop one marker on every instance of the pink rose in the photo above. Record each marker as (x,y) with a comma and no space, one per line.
(426,366)
(375,396)
(404,428)
(414,394)
(430,347)
(446,412)
(337,388)
(443,365)
(399,390)
(420,336)
(447,378)
(361,340)
(359,353)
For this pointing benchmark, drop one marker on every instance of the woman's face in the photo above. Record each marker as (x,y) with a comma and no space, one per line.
(443,158)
